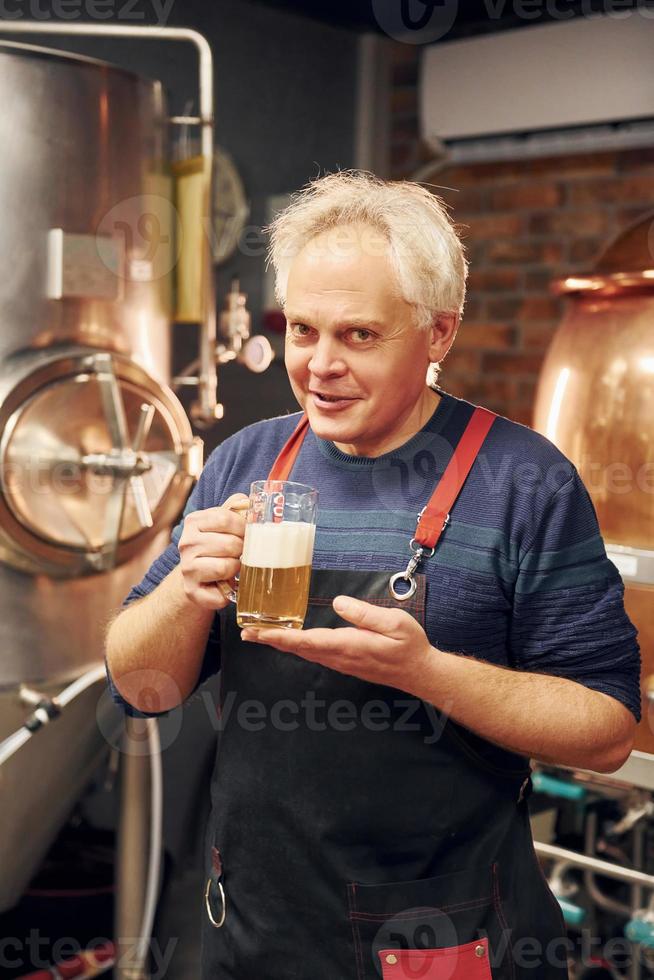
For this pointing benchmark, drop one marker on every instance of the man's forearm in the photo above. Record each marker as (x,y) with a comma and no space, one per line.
(156,645)
(548,718)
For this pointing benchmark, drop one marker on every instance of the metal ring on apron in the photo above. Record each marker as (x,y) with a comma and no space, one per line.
(216,924)
(402,596)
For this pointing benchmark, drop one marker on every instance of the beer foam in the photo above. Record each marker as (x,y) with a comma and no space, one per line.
(285,545)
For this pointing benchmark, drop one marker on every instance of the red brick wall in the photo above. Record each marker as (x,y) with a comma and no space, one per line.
(524,222)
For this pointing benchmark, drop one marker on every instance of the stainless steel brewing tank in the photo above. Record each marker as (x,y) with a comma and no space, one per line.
(595,401)
(96,452)
(86,243)
(97,455)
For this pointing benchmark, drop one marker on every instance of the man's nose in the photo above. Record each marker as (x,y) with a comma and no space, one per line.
(326,359)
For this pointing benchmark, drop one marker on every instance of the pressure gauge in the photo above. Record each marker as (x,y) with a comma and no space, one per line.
(230,206)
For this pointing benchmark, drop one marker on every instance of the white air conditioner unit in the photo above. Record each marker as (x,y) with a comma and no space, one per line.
(586,83)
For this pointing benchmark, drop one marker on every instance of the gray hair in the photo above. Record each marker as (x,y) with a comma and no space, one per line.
(420,238)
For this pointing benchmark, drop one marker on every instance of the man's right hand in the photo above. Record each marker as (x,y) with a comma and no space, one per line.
(210,550)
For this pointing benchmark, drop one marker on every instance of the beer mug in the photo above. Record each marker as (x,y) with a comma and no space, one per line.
(273,584)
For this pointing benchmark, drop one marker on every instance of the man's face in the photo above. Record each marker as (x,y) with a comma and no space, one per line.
(355,359)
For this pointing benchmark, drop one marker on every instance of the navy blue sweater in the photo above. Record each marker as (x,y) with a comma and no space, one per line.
(520,576)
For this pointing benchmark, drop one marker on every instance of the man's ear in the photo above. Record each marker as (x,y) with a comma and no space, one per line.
(443,331)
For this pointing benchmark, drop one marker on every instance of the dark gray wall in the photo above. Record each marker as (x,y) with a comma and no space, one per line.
(285,103)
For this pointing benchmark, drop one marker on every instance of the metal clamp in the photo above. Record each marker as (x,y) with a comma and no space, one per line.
(418,553)
(217,924)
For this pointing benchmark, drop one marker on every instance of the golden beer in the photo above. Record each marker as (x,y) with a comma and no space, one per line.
(273,586)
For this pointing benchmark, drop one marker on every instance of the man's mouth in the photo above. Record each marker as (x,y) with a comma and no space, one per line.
(330,403)
(323,397)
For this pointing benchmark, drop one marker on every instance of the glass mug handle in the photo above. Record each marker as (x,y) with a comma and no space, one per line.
(228,591)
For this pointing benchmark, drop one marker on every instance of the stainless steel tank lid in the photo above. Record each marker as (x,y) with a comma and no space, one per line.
(52,54)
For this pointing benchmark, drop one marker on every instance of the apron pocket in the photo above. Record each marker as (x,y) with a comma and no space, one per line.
(468,962)
(430,924)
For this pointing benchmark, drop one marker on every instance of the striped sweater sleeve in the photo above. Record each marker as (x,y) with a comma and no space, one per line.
(204,495)
(568,615)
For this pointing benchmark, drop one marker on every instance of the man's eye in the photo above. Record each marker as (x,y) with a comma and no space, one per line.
(360,335)
(299,329)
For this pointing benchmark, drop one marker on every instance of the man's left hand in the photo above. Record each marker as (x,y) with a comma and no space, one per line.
(384,646)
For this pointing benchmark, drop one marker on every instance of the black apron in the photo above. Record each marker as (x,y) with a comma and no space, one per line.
(355,833)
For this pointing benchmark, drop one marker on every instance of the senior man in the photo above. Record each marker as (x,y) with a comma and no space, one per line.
(372,818)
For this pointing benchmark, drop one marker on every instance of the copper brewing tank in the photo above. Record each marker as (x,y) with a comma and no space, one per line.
(595,401)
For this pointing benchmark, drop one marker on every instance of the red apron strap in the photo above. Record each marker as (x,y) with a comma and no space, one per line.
(433,517)
(284,463)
